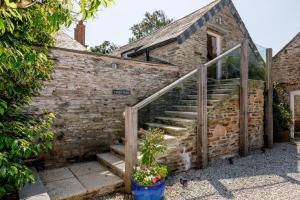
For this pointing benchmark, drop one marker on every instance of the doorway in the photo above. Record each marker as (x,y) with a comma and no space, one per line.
(214,49)
(295,109)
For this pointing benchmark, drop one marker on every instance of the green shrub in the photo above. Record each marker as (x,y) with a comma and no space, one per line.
(148,171)
(25,34)
(281,112)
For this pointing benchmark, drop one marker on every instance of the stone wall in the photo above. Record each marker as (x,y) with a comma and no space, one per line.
(223,130)
(286,72)
(286,64)
(88,116)
(193,51)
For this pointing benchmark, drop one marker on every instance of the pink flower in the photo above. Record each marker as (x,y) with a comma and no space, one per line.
(154,179)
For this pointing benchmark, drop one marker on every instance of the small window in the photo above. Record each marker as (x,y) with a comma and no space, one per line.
(211,47)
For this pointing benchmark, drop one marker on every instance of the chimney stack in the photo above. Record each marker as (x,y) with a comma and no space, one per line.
(79,33)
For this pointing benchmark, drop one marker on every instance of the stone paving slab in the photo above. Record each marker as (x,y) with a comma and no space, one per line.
(36,191)
(55,174)
(80,169)
(79,180)
(102,182)
(65,189)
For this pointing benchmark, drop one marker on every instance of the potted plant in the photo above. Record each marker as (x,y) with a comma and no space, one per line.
(148,180)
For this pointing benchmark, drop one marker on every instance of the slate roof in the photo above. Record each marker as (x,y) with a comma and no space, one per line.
(181,29)
(63,40)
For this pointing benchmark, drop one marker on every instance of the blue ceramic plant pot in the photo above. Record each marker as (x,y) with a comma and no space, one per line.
(153,192)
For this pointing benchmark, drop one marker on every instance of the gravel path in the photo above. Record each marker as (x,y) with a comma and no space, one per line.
(270,175)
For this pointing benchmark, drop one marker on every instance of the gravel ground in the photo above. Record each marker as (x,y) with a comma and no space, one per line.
(272,174)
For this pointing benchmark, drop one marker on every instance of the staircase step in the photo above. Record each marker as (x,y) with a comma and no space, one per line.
(118,149)
(219,91)
(174,121)
(194,102)
(169,141)
(209,97)
(211,102)
(172,130)
(222,86)
(113,163)
(223,81)
(180,114)
(185,108)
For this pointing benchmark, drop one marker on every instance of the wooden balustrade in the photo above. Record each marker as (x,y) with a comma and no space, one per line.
(244,141)
(269,99)
(131,115)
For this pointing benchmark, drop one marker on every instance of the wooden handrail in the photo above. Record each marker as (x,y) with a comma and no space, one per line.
(166,89)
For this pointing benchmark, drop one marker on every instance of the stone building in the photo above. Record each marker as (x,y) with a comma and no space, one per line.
(286,72)
(89,92)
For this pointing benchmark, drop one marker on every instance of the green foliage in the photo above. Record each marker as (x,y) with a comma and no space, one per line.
(105,48)
(281,112)
(25,34)
(149,171)
(152,146)
(150,176)
(150,23)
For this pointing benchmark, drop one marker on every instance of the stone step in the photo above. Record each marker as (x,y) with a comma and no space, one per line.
(216,86)
(194,102)
(185,108)
(223,86)
(173,121)
(219,91)
(172,130)
(209,96)
(223,81)
(214,91)
(180,114)
(168,139)
(115,164)
(118,149)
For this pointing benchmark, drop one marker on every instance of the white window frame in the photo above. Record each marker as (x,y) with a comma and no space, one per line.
(293,94)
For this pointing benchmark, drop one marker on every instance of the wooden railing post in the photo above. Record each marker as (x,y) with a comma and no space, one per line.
(131,134)
(269,102)
(244,143)
(202,141)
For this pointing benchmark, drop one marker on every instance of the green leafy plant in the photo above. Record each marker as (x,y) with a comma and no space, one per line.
(148,171)
(26,29)
(282,116)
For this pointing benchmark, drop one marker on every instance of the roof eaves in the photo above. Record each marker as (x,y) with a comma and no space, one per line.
(201,22)
(160,44)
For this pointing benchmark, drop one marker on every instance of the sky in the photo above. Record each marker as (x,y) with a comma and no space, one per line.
(271,23)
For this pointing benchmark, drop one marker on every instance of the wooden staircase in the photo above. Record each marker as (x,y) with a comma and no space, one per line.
(175,122)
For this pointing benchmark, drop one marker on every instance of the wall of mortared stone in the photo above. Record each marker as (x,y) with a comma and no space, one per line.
(223,129)
(286,64)
(88,116)
(286,72)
